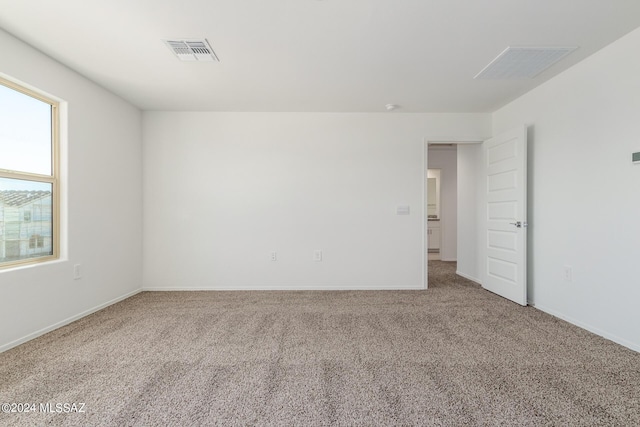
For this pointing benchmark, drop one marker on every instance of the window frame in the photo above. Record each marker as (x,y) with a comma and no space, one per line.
(53,179)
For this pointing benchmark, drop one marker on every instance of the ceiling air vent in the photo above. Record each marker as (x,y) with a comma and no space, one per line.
(523,62)
(192,50)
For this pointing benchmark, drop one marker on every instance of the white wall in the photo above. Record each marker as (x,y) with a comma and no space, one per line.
(223,190)
(101,197)
(445,159)
(584,195)
(469,248)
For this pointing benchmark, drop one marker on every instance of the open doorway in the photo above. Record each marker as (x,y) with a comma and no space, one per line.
(491,212)
(452,235)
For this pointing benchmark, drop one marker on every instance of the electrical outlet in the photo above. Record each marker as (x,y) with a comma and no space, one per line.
(274,256)
(77,272)
(317,255)
(568,273)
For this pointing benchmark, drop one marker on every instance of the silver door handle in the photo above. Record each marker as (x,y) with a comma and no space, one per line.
(518,224)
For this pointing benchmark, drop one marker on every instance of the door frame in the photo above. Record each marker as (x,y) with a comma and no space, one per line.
(425,168)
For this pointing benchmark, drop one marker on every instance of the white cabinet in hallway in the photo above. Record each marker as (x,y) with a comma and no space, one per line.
(433,233)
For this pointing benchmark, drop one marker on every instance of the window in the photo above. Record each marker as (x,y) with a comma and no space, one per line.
(29,230)
(36,241)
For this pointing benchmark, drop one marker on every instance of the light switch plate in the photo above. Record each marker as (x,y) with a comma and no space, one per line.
(403,210)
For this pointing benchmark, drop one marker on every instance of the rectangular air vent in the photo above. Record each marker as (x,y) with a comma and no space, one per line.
(192,50)
(523,62)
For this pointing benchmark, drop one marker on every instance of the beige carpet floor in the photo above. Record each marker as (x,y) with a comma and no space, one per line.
(454,355)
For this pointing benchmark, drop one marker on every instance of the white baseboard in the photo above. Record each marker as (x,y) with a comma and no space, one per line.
(66,321)
(286,288)
(466,276)
(590,328)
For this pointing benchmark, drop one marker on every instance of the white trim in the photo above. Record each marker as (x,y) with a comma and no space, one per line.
(448,259)
(592,329)
(425,242)
(15,268)
(65,322)
(453,140)
(466,276)
(285,288)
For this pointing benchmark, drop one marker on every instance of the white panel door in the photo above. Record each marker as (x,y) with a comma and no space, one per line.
(505,252)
